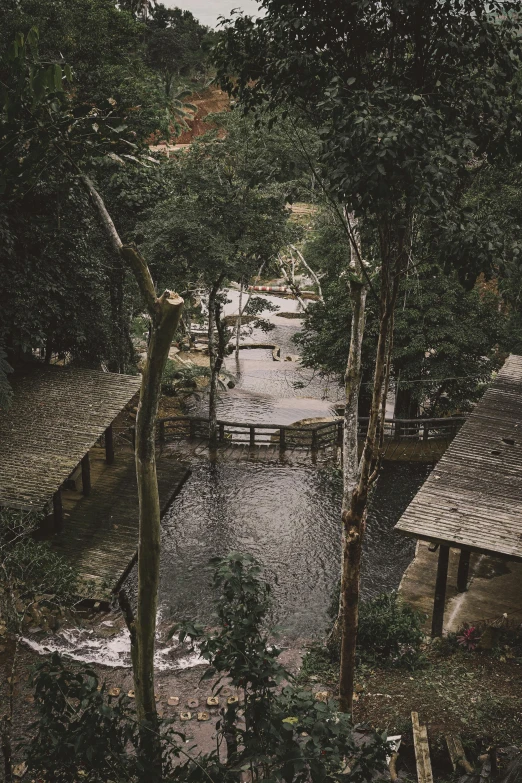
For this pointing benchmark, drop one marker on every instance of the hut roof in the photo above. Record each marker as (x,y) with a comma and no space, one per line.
(473,497)
(56,416)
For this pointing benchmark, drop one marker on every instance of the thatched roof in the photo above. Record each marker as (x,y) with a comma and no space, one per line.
(57,414)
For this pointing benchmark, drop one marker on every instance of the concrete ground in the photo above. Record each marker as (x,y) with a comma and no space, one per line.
(494,588)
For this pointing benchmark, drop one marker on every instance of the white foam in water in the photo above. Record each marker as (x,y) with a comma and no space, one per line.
(81,644)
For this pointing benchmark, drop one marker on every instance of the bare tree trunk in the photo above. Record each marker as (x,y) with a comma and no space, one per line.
(352,384)
(215,364)
(238,323)
(309,269)
(165,312)
(290,279)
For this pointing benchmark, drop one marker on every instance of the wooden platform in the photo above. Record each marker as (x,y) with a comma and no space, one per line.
(100,535)
(494,588)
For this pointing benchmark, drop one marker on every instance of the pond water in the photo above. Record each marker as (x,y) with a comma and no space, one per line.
(287,516)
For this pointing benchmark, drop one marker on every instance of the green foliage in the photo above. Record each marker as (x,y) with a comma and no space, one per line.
(286,733)
(213,224)
(389,634)
(81,732)
(6,392)
(30,572)
(178,378)
(396,90)
(278,732)
(447,341)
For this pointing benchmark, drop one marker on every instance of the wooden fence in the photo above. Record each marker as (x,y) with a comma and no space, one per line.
(312,436)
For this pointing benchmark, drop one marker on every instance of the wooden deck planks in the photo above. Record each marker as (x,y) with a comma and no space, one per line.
(100,535)
(474,495)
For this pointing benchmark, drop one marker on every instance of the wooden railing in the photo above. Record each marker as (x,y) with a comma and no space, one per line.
(313,436)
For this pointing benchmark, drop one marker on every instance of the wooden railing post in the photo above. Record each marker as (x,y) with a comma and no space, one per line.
(282,439)
(252,435)
(425,430)
(221,433)
(192,429)
(314,440)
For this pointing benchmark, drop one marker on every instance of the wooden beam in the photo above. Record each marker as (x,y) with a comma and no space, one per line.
(437,622)
(109,445)
(422,750)
(463,570)
(86,474)
(58,511)
(457,753)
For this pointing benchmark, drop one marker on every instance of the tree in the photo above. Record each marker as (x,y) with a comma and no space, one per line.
(175,44)
(213,228)
(405,95)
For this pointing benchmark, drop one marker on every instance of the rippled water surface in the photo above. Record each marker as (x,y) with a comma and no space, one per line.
(289,518)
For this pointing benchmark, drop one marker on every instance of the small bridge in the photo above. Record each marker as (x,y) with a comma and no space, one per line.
(418,440)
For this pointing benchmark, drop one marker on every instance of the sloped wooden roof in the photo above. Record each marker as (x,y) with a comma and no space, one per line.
(57,414)
(473,496)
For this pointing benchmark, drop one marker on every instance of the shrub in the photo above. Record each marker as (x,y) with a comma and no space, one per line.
(389,632)
(82,733)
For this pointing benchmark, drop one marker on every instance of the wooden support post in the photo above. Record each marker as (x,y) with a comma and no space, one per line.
(109,445)
(86,474)
(463,571)
(340,434)
(252,436)
(314,440)
(422,750)
(437,622)
(58,511)
(282,439)
(221,433)
(425,431)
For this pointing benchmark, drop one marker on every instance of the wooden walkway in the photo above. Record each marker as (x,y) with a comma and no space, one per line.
(100,535)
(394,451)
(405,440)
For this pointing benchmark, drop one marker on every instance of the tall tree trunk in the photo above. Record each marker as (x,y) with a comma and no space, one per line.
(215,364)
(354,515)
(352,384)
(165,312)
